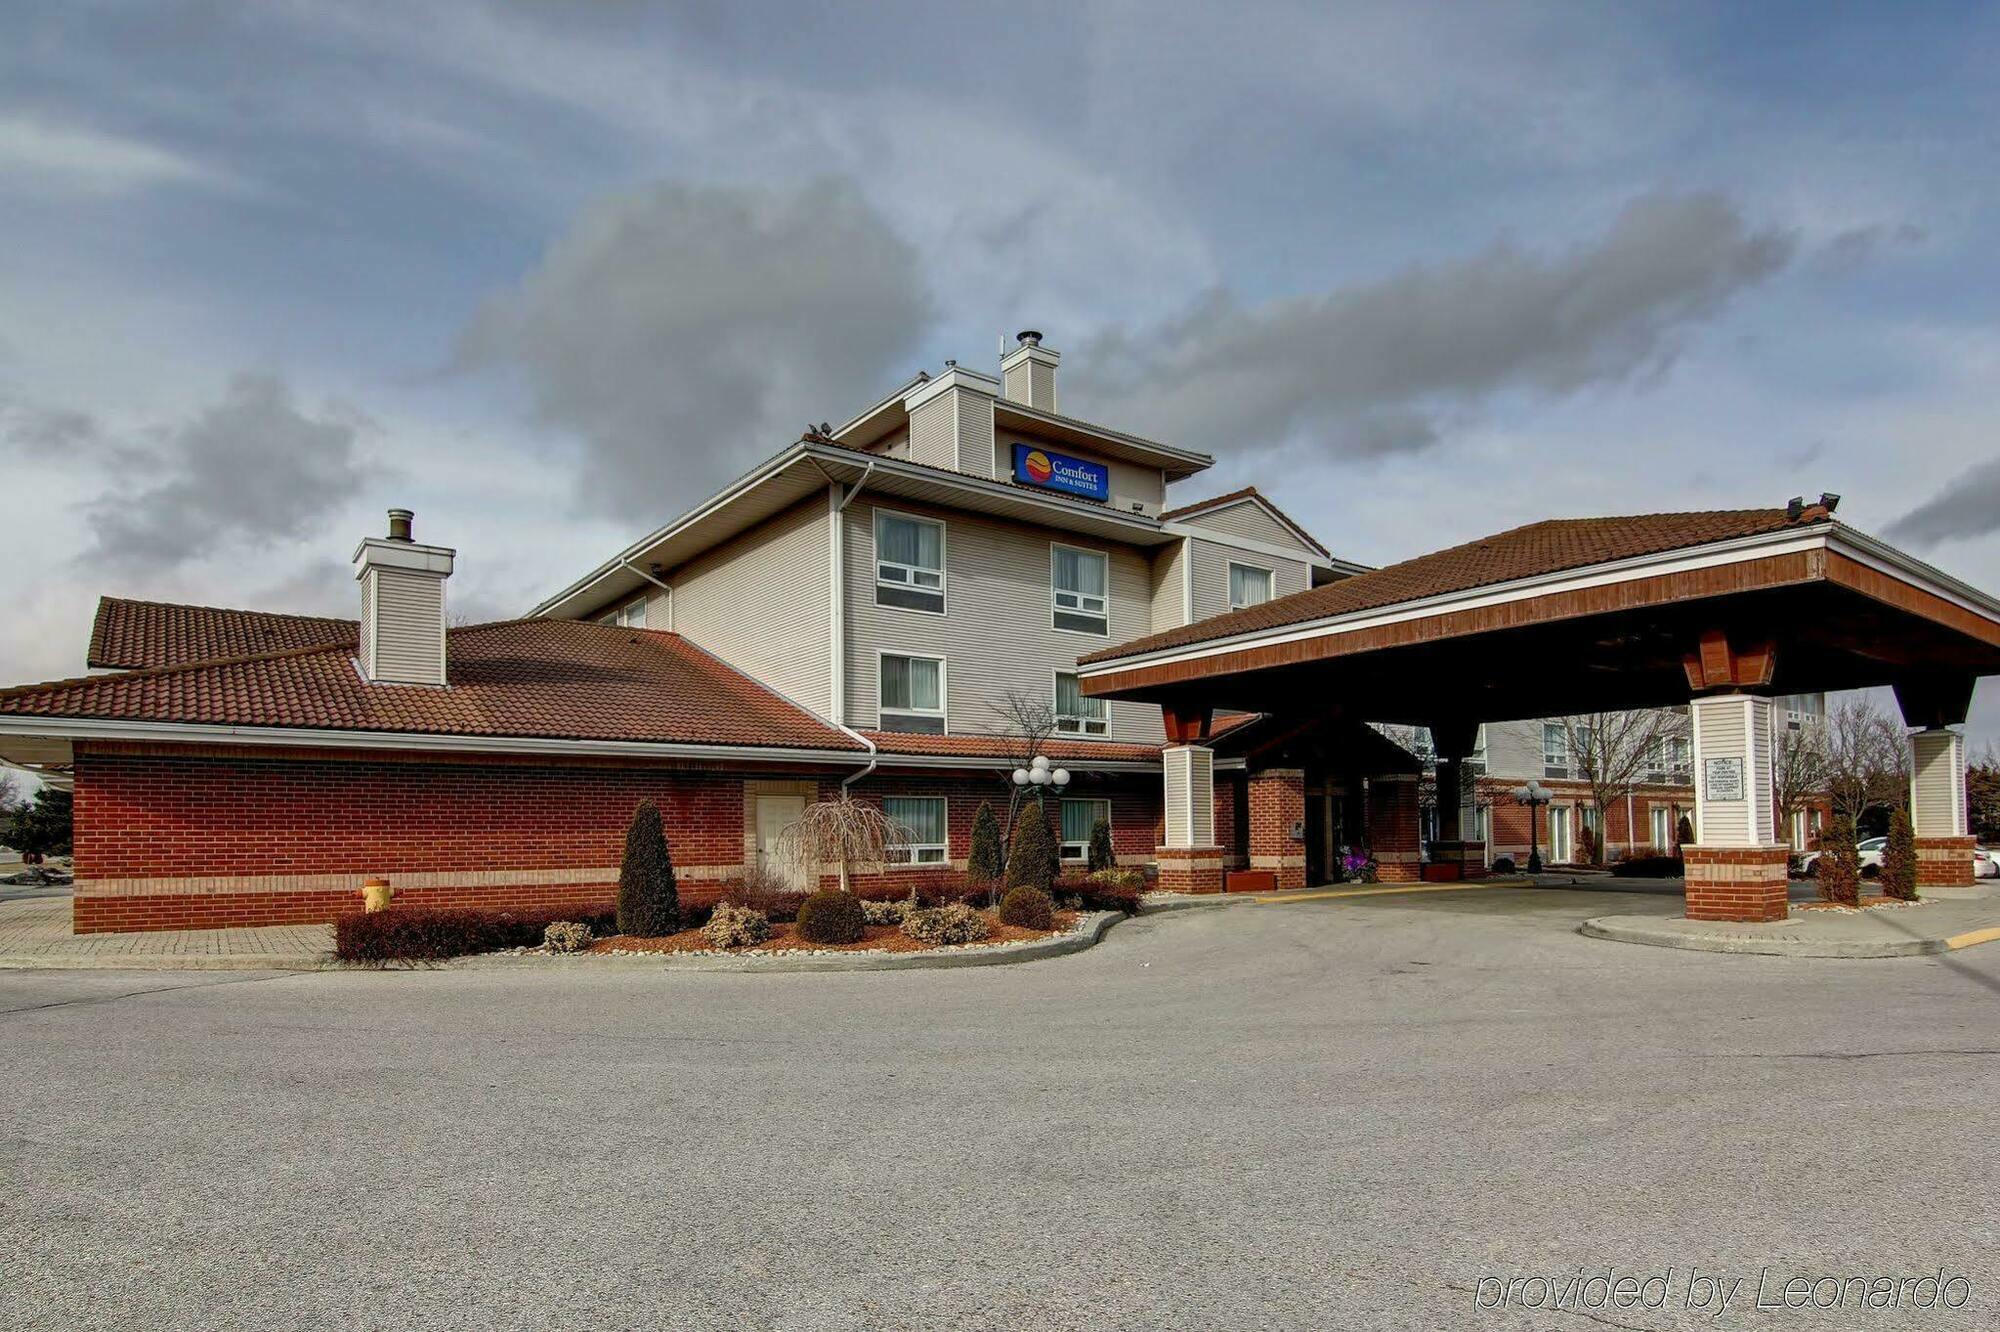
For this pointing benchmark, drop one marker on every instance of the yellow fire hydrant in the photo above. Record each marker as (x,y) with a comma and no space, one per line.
(376,894)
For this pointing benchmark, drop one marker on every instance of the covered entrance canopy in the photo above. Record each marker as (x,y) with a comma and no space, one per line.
(1721,609)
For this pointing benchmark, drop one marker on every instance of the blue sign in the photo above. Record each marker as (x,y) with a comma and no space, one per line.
(1058,471)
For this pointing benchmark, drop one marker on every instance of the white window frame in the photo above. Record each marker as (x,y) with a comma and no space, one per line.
(1056,608)
(631,615)
(1103,723)
(1660,820)
(919,853)
(944,562)
(1270,583)
(1083,847)
(1559,771)
(943,713)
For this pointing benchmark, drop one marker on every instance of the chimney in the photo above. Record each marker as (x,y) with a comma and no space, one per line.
(951,420)
(1028,373)
(402,606)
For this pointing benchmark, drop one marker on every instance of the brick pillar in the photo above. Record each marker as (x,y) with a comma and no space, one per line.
(1393,825)
(1937,808)
(1736,883)
(1190,862)
(1736,866)
(1277,807)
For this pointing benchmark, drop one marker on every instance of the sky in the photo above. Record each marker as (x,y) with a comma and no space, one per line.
(550,273)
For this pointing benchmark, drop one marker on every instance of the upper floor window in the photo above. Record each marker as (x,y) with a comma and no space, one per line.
(909,562)
(922,818)
(912,694)
(632,615)
(1248,585)
(1555,750)
(1076,712)
(1081,580)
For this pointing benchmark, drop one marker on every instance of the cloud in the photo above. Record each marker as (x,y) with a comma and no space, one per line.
(686,330)
(250,468)
(85,160)
(1373,369)
(1968,506)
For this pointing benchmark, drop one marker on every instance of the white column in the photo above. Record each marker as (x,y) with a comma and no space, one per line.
(1190,796)
(1937,783)
(1732,771)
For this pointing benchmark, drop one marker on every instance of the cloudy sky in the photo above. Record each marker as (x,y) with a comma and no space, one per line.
(548,272)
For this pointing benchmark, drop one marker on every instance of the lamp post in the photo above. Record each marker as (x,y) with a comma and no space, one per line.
(1534,795)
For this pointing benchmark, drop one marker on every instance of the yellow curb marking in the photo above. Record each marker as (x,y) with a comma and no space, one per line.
(1971,937)
(1460,886)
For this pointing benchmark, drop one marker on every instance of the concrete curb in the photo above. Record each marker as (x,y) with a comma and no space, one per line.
(172,962)
(1623,930)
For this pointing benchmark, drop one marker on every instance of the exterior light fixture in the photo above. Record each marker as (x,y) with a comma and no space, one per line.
(1039,774)
(1534,795)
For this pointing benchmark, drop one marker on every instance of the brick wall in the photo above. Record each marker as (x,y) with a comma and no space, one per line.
(1393,828)
(1944,862)
(1736,883)
(1277,805)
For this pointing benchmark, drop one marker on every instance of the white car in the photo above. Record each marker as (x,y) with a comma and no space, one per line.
(1986,862)
(1871,858)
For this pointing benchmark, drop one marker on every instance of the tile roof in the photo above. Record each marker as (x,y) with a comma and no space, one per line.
(1063,748)
(1548,547)
(131,635)
(536,679)
(1248,492)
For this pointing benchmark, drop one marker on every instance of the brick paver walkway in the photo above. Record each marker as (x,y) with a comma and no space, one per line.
(34,932)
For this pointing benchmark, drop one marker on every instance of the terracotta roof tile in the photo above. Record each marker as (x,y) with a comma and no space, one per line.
(1552,546)
(1061,748)
(129,635)
(538,679)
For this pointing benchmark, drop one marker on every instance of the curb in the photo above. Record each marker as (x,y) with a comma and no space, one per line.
(171,962)
(1606,927)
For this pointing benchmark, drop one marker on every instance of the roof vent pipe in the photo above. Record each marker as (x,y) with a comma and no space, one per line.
(399,524)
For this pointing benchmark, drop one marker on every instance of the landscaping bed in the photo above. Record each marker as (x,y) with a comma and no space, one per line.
(875,939)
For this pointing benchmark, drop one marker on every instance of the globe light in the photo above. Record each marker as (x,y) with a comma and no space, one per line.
(1041,764)
(1061,776)
(1040,776)
(1020,776)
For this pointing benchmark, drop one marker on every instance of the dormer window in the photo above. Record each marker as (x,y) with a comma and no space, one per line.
(1249,585)
(1081,581)
(909,562)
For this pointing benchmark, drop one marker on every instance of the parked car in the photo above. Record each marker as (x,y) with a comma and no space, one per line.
(1871,858)
(1986,862)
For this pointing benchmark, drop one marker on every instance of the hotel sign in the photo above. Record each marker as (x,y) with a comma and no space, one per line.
(1722,779)
(1058,471)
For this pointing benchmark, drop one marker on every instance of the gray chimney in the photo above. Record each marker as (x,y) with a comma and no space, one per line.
(1028,373)
(402,606)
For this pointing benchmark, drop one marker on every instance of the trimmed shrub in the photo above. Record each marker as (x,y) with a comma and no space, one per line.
(424,934)
(1502,865)
(1899,859)
(648,901)
(1113,890)
(831,917)
(1839,865)
(877,912)
(735,927)
(984,863)
(1100,855)
(1029,908)
(1033,860)
(766,893)
(567,936)
(1645,867)
(953,923)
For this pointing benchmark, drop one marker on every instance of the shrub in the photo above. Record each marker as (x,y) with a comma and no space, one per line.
(1502,865)
(1586,843)
(424,934)
(1838,867)
(831,917)
(1683,832)
(1033,860)
(878,912)
(567,936)
(1899,859)
(762,891)
(983,865)
(953,923)
(1644,867)
(1029,908)
(1101,856)
(732,926)
(1111,890)
(932,889)
(648,903)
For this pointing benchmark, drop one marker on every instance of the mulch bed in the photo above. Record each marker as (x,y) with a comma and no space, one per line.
(874,939)
(1867,900)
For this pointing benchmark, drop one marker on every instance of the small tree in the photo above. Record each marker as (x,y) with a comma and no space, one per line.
(649,902)
(842,831)
(1683,833)
(1034,858)
(41,826)
(1839,865)
(1614,753)
(1899,858)
(1101,856)
(984,864)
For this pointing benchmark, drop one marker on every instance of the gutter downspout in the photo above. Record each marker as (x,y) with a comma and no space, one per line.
(874,757)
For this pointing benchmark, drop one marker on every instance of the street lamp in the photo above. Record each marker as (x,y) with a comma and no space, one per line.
(1534,795)
(1041,776)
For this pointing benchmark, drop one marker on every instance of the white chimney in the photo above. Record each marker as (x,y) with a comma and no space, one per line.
(402,606)
(1028,373)
(951,420)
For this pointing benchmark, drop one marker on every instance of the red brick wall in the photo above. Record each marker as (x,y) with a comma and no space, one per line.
(1393,829)
(1277,805)
(1736,883)
(1944,862)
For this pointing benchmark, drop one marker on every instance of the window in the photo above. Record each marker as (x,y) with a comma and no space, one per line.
(1662,830)
(1680,758)
(922,818)
(1248,586)
(632,615)
(1081,580)
(912,694)
(1076,713)
(1078,818)
(909,562)
(1555,750)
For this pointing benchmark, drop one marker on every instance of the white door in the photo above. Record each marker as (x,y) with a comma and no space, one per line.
(1663,837)
(775,813)
(1559,834)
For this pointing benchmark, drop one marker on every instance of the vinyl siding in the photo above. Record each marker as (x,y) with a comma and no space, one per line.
(997,632)
(1723,735)
(1211,575)
(1248,519)
(933,434)
(1170,587)
(1937,785)
(408,610)
(760,603)
(975,434)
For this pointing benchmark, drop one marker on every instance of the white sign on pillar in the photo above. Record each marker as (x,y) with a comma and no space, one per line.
(1732,753)
(1190,794)
(1937,783)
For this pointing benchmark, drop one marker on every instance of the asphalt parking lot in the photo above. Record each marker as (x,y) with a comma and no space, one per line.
(1330,1114)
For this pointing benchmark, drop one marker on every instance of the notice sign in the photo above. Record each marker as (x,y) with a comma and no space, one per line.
(1059,471)
(1722,778)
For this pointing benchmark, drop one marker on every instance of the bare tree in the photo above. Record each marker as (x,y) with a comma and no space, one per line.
(1615,753)
(842,831)
(1867,756)
(1025,722)
(1801,767)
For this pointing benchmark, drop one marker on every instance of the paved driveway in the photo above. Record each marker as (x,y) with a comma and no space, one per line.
(1331,1114)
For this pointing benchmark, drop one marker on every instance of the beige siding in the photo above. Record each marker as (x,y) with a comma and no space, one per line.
(1211,575)
(997,632)
(408,610)
(1128,481)
(1170,587)
(760,602)
(933,434)
(1190,816)
(1248,519)
(1720,733)
(975,434)
(1762,813)
(1937,784)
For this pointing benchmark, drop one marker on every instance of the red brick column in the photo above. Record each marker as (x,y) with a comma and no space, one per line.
(1944,862)
(1736,882)
(1189,869)
(1393,827)
(1277,806)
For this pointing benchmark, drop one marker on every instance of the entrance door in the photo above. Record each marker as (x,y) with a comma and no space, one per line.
(1663,835)
(1559,853)
(775,813)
